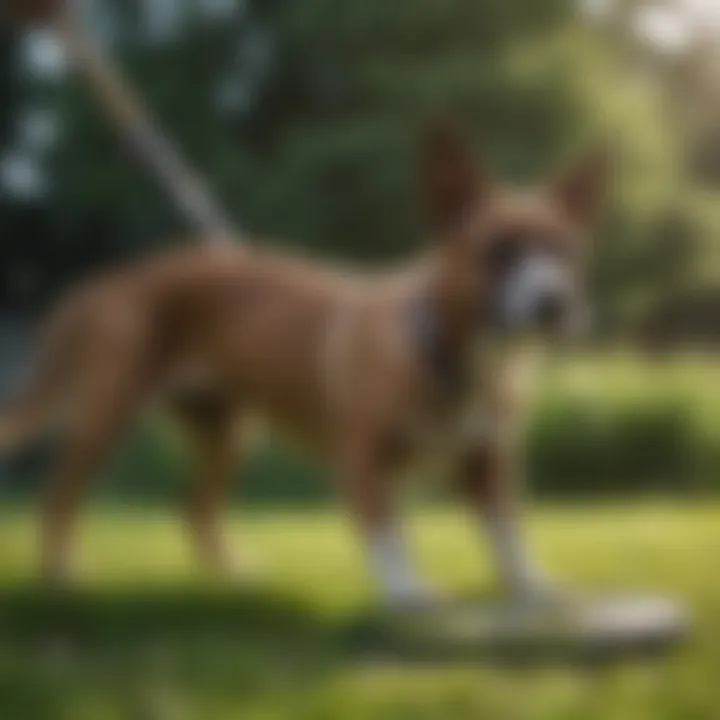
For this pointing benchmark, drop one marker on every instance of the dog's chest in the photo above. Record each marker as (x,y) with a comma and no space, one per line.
(442,426)
(432,443)
(446,431)
(486,413)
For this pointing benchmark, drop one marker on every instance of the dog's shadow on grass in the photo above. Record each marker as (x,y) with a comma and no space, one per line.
(30,614)
(182,626)
(192,641)
(197,640)
(60,649)
(248,628)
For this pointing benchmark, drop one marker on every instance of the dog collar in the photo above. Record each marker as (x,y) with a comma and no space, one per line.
(448,369)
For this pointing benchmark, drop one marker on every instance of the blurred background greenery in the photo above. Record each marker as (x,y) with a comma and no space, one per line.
(306,116)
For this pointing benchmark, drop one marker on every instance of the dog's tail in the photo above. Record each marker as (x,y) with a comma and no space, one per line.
(138,131)
(46,387)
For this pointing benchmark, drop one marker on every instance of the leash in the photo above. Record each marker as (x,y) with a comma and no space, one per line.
(134,125)
(138,131)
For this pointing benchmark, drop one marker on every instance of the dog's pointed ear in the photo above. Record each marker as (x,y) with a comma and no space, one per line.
(451,179)
(581,188)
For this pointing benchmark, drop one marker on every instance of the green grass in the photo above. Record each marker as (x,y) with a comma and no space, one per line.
(145,635)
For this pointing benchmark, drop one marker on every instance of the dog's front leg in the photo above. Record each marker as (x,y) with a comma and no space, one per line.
(488,481)
(369,491)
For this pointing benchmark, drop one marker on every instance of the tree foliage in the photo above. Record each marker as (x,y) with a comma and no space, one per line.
(307,118)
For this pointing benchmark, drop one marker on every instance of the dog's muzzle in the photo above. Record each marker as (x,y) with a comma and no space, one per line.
(539,293)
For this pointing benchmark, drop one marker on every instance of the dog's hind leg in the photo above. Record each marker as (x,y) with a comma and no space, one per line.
(110,389)
(40,401)
(213,430)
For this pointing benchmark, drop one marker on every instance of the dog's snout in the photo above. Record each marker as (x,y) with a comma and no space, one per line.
(539,294)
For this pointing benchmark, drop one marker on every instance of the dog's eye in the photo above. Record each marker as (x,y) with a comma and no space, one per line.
(502,253)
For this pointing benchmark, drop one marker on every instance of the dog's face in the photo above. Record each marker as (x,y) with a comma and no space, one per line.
(529,264)
(518,255)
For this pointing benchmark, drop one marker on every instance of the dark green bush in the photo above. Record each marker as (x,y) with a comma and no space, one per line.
(576,449)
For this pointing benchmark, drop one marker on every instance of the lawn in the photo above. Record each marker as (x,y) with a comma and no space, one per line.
(145,635)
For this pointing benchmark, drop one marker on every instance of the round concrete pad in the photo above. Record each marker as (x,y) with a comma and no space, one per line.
(600,629)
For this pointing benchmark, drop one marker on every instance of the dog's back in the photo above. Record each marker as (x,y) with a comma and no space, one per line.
(268,331)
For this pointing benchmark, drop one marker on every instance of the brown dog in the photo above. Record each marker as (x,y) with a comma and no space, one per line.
(362,368)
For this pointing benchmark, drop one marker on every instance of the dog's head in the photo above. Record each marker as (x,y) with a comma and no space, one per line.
(517,255)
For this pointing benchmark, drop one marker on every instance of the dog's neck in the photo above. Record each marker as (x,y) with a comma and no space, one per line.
(447,326)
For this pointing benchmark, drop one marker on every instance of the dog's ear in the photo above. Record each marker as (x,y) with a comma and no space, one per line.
(581,188)
(452,181)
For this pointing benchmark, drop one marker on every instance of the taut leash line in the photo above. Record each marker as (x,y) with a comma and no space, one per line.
(139,132)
